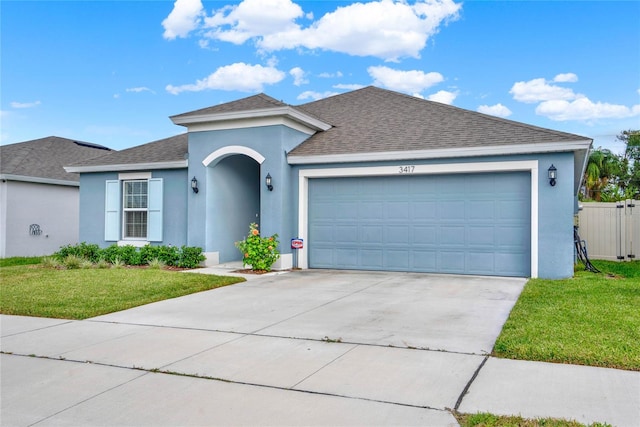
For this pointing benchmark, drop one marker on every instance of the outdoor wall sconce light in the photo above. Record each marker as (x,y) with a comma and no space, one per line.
(267,181)
(553,175)
(194,185)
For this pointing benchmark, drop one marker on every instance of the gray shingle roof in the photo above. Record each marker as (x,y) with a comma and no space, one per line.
(255,102)
(45,157)
(378,120)
(368,120)
(169,149)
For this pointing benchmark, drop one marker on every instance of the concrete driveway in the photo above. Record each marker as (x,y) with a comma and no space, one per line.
(437,312)
(307,347)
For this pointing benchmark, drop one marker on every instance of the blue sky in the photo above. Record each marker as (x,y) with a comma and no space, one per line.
(112,72)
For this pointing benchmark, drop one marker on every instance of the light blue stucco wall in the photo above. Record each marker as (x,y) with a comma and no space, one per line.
(277,212)
(176,189)
(555,205)
(232,189)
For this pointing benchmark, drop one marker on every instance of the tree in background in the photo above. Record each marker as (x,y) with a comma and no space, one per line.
(611,177)
(631,160)
(603,169)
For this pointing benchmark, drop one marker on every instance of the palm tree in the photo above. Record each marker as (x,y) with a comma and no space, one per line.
(602,166)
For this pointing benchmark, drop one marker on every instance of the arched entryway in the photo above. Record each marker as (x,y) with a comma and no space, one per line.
(233,201)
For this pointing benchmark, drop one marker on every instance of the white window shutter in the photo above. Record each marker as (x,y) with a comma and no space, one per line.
(112,211)
(154,207)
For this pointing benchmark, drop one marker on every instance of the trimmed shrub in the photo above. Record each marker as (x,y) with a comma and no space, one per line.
(190,257)
(84,250)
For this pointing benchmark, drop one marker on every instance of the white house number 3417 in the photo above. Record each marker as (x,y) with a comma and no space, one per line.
(406,169)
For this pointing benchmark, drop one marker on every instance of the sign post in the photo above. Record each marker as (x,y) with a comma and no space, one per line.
(296,244)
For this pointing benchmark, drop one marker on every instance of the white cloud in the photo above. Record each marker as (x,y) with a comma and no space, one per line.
(314,96)
(348,86)
(298,75)
(253,18)
(584,109)
(443,97)
(25,104)
(184,18)
(538,90)
(239,76)
(497,110)
(566,78)
(330,75)
(404,81)
(387,29)
(139,89)
(561,104)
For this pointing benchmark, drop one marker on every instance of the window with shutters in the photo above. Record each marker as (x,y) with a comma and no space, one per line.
(133,209)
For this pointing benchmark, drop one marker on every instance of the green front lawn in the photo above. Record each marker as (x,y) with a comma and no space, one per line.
(32,290)
(490,420)
(591,319)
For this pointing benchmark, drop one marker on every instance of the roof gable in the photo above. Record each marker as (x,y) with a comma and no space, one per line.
(255,102)
(44,158)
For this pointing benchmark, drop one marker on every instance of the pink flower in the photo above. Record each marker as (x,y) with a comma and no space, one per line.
(255,232)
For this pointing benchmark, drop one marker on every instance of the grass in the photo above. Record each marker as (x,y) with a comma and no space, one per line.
(490,420)
(591,319)
(8,262)
(32,290)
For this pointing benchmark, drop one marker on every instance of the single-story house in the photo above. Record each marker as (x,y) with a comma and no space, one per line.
(369,180)
(39,200)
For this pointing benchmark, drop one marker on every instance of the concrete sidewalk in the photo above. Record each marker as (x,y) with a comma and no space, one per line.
(244,358)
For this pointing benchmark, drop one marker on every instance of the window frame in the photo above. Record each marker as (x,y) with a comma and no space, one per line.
(126,210)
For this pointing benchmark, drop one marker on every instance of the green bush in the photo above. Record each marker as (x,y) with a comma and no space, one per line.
(190,257)
(184,257)
(88,251)
(259,252)
(170,255)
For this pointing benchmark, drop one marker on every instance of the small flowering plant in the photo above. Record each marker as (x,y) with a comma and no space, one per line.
(258,252)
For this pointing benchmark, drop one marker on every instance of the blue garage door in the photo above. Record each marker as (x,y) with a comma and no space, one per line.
(460,224)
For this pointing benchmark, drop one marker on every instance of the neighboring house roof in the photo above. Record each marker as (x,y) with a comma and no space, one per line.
(42,160)
(167,153)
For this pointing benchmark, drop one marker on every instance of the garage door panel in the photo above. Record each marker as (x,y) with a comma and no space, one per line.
(481,210)
(347,258)
(480,262)
(346,234)
(371,234)
(323,233)
(424,260)
(512,237)
(323,257)
(346,210)
(463,224)
(481,235)
(510,209)
(451,261)
(397,259)
(397,234)
(397,210)
(452,235)
(424,210)
(451,210)
(425,234)
(371,258)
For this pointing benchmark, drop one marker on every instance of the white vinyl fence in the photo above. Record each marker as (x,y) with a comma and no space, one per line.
(611,231)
